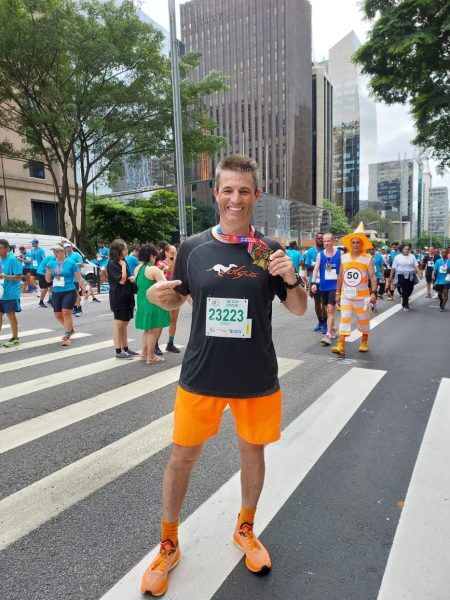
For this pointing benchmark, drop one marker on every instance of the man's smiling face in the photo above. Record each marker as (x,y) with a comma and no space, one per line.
(236,198)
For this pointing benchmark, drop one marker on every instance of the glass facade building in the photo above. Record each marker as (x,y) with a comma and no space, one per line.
(354,126)
(322,131)
(438,212)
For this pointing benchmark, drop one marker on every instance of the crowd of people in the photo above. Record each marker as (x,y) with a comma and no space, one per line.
(231,273)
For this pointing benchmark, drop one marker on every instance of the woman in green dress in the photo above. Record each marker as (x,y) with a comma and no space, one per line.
(149,317)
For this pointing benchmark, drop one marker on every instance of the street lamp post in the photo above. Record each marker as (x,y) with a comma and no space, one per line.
(177,129)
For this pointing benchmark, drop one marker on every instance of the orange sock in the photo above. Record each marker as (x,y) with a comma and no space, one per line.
(169,531)
(246,515)
(342,340)
(365,337)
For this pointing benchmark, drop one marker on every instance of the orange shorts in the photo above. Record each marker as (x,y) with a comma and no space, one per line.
(197,418)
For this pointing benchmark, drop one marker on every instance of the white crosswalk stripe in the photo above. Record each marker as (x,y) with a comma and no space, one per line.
(27,333)
(30,507)
(420,556)
(42,342)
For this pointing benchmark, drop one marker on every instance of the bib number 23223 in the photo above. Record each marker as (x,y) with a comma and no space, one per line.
(227,317)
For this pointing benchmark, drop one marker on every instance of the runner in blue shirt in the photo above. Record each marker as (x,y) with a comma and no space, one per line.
(325,278)
(78,259)
(441,277)
(63,272)
(10,289)
(310,262)
(43,283)
(295,255)
(33,259)
(378,263)
(132,259)
(102,258)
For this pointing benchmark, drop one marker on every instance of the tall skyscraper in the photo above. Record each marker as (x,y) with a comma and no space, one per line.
(354,124)
(438,212)
(264,46)
(322,126)
(400,186)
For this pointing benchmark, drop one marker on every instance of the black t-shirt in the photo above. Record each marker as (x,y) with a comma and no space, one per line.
(121,297)
(429,259)
(221,366)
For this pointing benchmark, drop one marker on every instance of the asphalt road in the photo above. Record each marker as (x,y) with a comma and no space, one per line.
(84,443)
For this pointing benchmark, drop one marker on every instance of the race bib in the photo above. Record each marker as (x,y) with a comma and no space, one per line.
(58,282)
(443,269)
(349,293)
(227,317)
(430,263)
(35,263)
(330,274)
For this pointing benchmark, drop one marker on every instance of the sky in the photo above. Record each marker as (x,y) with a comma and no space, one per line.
(331,21)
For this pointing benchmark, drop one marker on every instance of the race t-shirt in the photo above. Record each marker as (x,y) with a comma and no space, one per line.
(132,262)
(63,275)
(329,270)
(75,256)
(378,263)
(441,268)
(296,256)
(310,261)
(11,287)
(35,256)
(102,256)
(44,263)
(217,274)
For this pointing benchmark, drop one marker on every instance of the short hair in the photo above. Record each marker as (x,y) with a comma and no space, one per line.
(4,242)
(293,244)
(146,251)
(319,233)
(329,233)
(239,163)
(116,248)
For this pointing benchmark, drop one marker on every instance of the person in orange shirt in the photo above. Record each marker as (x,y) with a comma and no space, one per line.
(353,291)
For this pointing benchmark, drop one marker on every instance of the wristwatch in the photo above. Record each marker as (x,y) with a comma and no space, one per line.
(299,281)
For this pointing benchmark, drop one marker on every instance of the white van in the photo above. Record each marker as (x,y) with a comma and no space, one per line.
(46,242)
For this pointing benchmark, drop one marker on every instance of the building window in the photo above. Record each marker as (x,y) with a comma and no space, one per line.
(36,169)
(45,217)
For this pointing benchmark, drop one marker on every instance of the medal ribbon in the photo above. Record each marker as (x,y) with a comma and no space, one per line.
(251,239)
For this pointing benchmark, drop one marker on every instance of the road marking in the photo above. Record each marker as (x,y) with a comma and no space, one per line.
(6,326)
(27,333)
(418,563)
(44,342)
(32,506)
(41,383)
(30,430)
(44,358)
(355,334)
(303,442)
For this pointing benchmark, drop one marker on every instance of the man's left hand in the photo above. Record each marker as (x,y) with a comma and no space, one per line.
(281,264)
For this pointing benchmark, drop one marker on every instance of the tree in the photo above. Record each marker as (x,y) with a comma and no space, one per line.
(86,86)
(407,56)
(373,220)
(203,217)
(339,222)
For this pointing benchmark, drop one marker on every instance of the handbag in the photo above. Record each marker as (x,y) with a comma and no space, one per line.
(416,279)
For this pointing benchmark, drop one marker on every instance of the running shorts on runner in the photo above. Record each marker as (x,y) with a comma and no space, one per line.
(197,417)
(63,300)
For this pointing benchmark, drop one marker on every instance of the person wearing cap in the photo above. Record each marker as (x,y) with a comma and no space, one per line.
(33,258)
(353,288)
(43,283)
(78,259)
(62,272)
(10,289)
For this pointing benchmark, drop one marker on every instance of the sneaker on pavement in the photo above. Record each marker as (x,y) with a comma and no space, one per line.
(12,343)
(123,355)
(339,349)
(318,328)
(156,578)
(428,296)
(42,304)
(132,353)
(326,340)
(257,558)
(172,348)
(95,299)
(79,313)
(333,333)
(324,328)
(158,350)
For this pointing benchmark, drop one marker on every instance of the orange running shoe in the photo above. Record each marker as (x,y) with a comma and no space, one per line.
(339,349)
(155,580)
(257,558)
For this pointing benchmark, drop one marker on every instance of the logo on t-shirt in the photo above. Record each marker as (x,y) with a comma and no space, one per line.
(232,271)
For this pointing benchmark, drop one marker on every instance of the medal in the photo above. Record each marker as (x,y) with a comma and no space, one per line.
(258,250)
(261,256)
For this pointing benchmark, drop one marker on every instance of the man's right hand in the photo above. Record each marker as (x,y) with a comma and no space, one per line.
(163,294)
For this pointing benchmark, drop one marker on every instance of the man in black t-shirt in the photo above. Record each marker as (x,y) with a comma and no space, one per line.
(232,274)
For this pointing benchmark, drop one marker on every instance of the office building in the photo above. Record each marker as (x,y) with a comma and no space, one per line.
(264,47)
(438,212)
(322,130)
(354,125)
